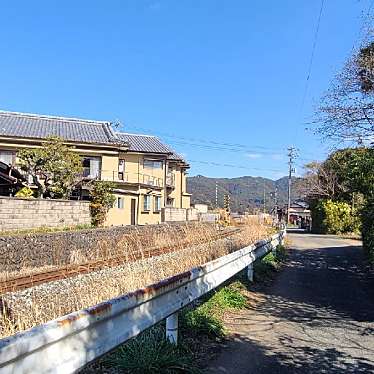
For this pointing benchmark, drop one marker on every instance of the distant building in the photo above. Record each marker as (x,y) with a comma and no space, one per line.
(300,213)
(201,208)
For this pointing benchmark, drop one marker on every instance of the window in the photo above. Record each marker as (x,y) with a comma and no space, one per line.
(91,167)
(147,203)
(157,203)
(120,202)
(153,164)
(7,157)
(121,169)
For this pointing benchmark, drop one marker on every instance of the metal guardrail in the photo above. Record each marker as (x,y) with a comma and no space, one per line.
(66,344)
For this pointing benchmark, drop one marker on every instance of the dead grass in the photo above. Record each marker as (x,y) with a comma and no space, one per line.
(63,250)
(25,309)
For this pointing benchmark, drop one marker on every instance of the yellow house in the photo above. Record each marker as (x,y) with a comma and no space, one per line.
(147,174)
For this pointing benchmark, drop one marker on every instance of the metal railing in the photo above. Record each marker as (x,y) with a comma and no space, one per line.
(114,176)
(70,342)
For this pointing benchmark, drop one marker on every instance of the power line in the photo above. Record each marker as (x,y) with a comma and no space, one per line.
(204,141)
(309,71)
(213,144)
(234,166)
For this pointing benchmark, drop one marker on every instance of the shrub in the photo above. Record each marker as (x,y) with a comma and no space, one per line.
(25,192)
(330,217)
(102,199)
(367,216)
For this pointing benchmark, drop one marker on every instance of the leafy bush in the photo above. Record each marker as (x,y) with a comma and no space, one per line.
(25,192)
(367,217)
(102,199)
(330,217)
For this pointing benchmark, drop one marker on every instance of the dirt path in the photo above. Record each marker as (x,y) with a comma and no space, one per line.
(316,317)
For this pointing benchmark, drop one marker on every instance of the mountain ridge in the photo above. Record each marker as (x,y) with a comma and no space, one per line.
(246,192)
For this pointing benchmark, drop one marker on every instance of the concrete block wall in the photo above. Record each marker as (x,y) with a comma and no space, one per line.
(173,214)
(209,217)
(20,213)
(192,214)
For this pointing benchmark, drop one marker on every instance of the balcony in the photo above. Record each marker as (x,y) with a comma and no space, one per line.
(88,173)
(132,178)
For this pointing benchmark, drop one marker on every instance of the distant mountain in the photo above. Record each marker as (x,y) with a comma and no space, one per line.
(246,192)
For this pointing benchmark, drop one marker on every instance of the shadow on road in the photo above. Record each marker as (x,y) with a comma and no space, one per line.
(317,317)
(299,359)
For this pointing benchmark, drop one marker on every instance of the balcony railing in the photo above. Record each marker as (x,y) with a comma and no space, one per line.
(137,178)
(88,173)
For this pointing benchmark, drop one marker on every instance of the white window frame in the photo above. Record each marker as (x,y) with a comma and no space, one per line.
(157,204)
(95,166)
(120,202)
(146,203)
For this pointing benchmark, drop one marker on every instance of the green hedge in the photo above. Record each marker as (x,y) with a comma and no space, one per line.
(330,217)
(367,217)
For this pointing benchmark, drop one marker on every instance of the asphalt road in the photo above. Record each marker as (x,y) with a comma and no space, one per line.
(316,317)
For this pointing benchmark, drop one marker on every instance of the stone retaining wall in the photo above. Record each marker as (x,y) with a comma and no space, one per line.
(20,214)
(22,251)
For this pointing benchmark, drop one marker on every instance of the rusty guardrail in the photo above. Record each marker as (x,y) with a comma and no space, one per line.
(68,343)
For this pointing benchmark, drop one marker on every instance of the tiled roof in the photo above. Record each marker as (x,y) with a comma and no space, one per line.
(148,144)
(25,125)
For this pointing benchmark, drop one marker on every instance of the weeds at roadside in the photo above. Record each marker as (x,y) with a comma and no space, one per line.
(151,353)
(265,268)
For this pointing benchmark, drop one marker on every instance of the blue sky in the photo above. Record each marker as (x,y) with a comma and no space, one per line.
(221,81)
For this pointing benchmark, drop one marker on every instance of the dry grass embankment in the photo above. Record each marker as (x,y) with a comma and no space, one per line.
(25,309)
(29,257)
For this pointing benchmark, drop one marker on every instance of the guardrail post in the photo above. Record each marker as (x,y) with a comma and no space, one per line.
(281,237)
(172,328)
(273,249)
(250,272)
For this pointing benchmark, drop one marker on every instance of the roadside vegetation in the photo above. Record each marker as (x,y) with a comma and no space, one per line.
(201,326)
(341,188)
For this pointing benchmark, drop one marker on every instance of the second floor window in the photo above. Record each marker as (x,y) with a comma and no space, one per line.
(7,157)
(121,169)
(91,167)
(147,203)
(153,164)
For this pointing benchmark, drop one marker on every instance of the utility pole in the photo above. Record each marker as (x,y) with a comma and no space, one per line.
(276,203)
(216,194)
(264,201)
(291,156)
(275,196)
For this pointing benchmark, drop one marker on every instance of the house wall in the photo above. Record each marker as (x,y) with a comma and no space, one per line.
(109,167)
(176,192)
(20,214)
(150,217)
(186,201)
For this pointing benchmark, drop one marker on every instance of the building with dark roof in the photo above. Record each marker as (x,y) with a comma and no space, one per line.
(148,174)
